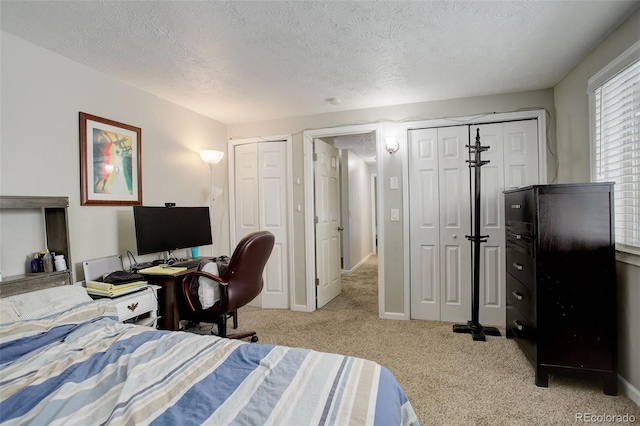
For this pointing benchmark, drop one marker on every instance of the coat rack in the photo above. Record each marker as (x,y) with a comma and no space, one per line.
(474,327)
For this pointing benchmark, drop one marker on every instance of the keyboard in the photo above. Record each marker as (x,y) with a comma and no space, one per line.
(187,263)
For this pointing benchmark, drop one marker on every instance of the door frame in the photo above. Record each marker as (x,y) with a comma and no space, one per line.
(309,203)
(233,240)
(539,114)
(374,210)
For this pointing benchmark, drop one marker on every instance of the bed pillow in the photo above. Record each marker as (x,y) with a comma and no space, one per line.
(7,313)
(208,289)
(50,301)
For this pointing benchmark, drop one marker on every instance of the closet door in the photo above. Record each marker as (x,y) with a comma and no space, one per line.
(439,221)
(260,204)
(492,271)
(455,223)
(424,223)
(246,189)
(440,216)
(520,153)
(273,218)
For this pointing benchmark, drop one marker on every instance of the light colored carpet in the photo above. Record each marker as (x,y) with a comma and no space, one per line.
(449,378)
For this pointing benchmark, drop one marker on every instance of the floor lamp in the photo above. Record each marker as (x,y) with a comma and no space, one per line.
(211,157)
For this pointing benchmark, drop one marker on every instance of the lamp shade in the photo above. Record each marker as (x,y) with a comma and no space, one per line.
(211,156)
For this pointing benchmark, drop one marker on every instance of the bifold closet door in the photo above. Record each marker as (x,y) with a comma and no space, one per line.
(261,202)
(492,271)
(440,216)
(439,221)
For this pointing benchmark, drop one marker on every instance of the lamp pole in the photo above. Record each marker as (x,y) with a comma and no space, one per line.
(211,157)
(211,200)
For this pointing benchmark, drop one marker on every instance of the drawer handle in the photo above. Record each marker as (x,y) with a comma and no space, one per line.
(517,295)
(516,206)
(517,266)
(518,325)
(132,307)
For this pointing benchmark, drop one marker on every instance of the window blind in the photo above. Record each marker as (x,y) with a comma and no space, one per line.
(617,149)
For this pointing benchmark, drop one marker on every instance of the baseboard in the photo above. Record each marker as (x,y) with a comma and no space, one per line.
(628,389)
(393,315)
(352,270)
(300,308)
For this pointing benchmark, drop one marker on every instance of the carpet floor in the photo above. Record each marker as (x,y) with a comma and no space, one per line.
(449,378)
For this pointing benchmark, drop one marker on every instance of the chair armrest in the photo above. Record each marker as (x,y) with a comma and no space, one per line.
(205,274)
(187,280)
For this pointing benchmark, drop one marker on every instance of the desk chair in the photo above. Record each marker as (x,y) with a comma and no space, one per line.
(239,284)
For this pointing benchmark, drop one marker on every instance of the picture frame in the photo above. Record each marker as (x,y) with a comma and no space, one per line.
(110,162)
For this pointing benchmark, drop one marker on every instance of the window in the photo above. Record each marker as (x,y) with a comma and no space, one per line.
(615,123)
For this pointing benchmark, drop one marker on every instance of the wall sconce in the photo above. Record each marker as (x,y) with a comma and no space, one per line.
(391,143)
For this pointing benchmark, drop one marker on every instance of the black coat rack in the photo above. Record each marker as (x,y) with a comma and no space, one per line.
(474,327)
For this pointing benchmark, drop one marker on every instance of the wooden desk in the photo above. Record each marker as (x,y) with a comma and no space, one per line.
(170,298)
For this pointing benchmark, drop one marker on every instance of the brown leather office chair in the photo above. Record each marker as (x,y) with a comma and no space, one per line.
(239,284)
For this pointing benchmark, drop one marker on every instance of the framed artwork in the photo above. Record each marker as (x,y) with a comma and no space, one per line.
(110,162)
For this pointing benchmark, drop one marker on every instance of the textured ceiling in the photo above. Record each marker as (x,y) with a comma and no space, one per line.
(251,61)
(362,144)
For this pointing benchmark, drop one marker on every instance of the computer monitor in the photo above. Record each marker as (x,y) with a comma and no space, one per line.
(164,229)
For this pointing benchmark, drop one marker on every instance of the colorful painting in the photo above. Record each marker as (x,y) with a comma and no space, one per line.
(110,162)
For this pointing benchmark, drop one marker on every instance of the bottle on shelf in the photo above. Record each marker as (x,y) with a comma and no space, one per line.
(60,263)
(47,262)
(35,263)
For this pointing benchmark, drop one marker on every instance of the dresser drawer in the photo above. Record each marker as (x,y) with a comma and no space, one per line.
(521,266)
(519,207)
(135,304)
(521,237)
(523,330)
(520,297)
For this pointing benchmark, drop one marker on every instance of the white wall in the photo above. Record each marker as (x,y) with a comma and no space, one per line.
(390,119)
(344,208)
(41,96)
(359,210)
(573,150)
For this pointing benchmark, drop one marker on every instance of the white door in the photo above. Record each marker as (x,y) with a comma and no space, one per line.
(455,217)
(327,204)
(492,269)
(424,213)
(246,190)
(261,202)
(272,194)
(439,221)
(520,153)
(440,217)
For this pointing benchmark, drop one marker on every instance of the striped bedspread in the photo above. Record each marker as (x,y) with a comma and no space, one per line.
(83,367)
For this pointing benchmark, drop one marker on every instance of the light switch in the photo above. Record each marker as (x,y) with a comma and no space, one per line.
(395,215)
(393,182)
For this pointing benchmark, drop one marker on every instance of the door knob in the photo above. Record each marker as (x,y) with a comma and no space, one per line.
(455,235)
(340,228)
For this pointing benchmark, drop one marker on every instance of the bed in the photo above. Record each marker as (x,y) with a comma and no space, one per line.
(72,362)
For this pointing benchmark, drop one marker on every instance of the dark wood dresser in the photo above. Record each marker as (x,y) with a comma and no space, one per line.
(561,286)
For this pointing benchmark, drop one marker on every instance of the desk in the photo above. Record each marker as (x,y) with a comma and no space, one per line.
(170,297)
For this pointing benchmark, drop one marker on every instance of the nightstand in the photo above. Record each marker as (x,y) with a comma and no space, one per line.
(139,308)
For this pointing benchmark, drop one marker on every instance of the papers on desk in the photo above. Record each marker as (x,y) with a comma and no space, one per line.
(97,288)
(162,270)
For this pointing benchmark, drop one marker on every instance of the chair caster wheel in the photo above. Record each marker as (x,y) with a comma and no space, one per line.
(254,339)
